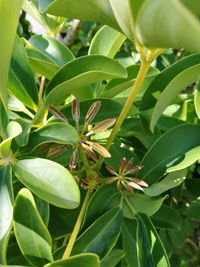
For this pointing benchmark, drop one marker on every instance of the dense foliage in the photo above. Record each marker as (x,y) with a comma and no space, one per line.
(99,133)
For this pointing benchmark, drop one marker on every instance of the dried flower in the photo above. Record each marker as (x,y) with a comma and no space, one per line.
(126,168)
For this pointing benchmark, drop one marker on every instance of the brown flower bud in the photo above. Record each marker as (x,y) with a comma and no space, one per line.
(102,126)
(74,159)
(76,110)
(92,111)
(57,113)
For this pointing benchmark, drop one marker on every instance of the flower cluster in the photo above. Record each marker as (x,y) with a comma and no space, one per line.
(123,180)
(85,143)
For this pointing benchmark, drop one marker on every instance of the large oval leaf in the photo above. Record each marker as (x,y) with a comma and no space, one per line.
(49,180)
(82,260)
(31,233)
(57,132)
(21,80)
(102,235)
(6,209)
(87,9)
(163,23)
(112,259)
(107,42)
(79,73)
(9,15)
(168,150)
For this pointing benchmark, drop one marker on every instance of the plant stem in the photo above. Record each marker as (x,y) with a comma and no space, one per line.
(137,84)
(77,226)
(41,89)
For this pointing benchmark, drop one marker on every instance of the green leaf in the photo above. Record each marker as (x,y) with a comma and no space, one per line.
(82,260)
(32,235)
(57,132)
(197,98)
(109,109)
(106,42)
(167,218)
(49,181)
(151,251)
(169,181)
(134,203)
(52,49)
(15,105)
(193,211)
(9,15)
(162,155)
(97,207)
(167,85)
(112,259)
(6,209)
(85,10)
(79,73)
(129,242)
(119,85)
(155,29)
(102,235)
(13,129)
(21,80)
(41,63)
(3,121)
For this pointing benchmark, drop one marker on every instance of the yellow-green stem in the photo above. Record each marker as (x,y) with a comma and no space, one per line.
(138,82)
(77,226)
(41,89)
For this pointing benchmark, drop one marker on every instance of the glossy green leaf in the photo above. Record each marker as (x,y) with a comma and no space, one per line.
(129,242)
(169,181)
(13,130)
(57,132)
(113,258)
(6,209)
(193,211)
(52,48)
(155,29)
(15,105)
(134,203)
(190,157)
(48,180)
(3,121)
(175,86)
(82,260)
(41,64)
(97,207)
(32,235)
(9,15)
(21,80)
(151,251)
(197,98)
(85,10)
(167,218)
(172,80)
(106,42)
(117,86)
(79,73)
(125,12)
(102,235)
(109,109)
(168,150)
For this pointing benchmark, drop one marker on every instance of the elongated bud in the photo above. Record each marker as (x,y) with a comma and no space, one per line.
(45,147)
(92,111)
(134,169)
(57,113)
(74,159)
(99,149)
(56,150)
(102,126)
(133,186)
(140,182)
(76,110)
(122,164)
(111,170)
